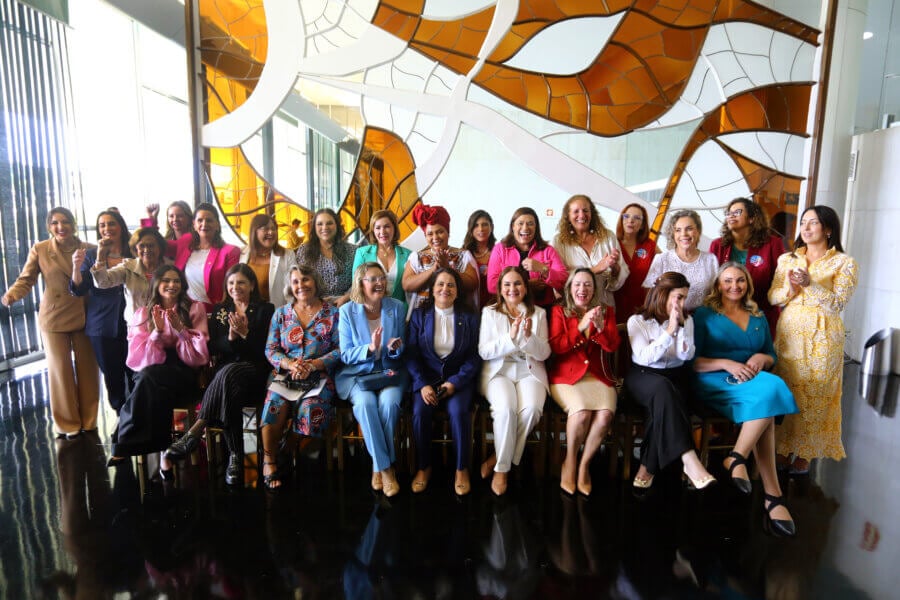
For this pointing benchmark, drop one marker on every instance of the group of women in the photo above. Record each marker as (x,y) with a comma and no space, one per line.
(367,323)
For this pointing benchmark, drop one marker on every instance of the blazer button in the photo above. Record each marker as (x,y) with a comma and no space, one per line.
(587,362)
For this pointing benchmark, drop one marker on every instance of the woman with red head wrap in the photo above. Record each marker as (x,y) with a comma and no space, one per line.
(435,223)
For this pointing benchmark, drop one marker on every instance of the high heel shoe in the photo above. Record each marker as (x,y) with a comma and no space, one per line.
(777,527)
(743,485)
(699,484)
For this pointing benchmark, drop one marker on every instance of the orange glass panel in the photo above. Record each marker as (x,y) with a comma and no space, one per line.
(384,179)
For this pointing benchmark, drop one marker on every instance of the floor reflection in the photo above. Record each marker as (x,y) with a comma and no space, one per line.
(71,528)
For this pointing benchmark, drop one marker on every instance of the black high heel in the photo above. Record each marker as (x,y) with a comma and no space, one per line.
(743,485)
(777,527)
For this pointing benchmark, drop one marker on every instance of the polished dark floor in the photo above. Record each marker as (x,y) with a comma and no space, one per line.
(71,528)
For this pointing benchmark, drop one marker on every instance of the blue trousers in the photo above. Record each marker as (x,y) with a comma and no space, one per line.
(377,414)
(458,407)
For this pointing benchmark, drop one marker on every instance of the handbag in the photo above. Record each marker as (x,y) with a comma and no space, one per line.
(377,379)
(303,385)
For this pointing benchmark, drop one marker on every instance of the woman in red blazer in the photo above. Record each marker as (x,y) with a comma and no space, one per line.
(580,374)
(747,240)
(204,257)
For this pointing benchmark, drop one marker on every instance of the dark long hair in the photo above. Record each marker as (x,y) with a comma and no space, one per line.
(314,245)
(829,220)
(124,235)
(539,242)
(498,303)
(759,224)
(258,222)
(217,241)
(182,305)
(247,272)
(461,304)
(658,296)
(469,242)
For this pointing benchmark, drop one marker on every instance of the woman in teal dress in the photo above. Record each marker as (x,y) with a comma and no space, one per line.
(385,249)
(733,358)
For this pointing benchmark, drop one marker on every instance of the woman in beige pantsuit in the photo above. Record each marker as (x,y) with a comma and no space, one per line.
(71,366)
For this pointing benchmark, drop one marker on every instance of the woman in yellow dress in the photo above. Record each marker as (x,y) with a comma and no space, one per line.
(813,284)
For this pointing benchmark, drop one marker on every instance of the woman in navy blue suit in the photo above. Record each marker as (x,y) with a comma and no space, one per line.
(442,344)
(371,327)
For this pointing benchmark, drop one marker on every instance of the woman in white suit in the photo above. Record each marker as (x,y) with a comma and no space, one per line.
(270,262)
(513,343)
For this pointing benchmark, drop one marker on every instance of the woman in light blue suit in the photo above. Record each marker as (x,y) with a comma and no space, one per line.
(384,248)
(371,327)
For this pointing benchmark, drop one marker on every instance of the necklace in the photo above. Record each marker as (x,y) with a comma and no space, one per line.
(482,254)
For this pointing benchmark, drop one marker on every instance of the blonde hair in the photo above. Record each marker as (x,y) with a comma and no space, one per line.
(713,298)
(357,294)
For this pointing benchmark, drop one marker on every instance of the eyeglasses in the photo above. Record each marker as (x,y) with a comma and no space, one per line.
(379,279)
(627,217)
(145,247)
(735,213)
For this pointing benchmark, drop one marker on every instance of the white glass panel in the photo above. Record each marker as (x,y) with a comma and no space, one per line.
(794,154)
(377,113)
(681,112)
(537,126)
(778,151)
(784,53)
(403,121)
(567,47)
(451,9)
(802,68)
(711,168)
(441,82)
(410,70)
(429,126)
(727,69)
(758,68)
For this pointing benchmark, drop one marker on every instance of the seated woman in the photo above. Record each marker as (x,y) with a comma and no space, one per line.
(734,355)
(303,342)
(371,342)
(237,340)
(443,362)
(513,343)
(581,377)
(662,339)
(524,246)
(166,345)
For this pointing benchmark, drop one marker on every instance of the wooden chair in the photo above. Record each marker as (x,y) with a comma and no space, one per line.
(442,435)
(537,439)
(347,430)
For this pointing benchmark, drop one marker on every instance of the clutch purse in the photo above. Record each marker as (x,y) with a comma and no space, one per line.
(376,380)
(303,385)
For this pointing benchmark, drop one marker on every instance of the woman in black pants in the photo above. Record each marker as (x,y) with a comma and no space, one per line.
(237,342)
(662,339)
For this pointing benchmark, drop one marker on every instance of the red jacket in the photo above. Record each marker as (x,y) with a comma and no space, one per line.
(574,354)
(761,263)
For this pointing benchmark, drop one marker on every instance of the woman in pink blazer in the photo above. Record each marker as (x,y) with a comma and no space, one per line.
(204,257)
(524,247)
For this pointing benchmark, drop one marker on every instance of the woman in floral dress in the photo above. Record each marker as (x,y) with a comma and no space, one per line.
(813,284)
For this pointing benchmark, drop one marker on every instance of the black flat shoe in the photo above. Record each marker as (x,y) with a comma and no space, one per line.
(777,527)
(744,486)
(182,447)
(234,472)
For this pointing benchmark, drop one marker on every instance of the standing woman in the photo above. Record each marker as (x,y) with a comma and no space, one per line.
(683,256)
(443,361)
(746,240)
(524,246)
(204,257)
(662,340)
(178,219)
(237,340)
(302,343)
(329,255)
(74,393)
(513,343)
(269,261)
(372,341)
(582,240)
(385,249)
(734,354)
(813,284)
(166,345)
(638,250)
(104,324)
(582,381)
(480,241)
(435,224)
(134,274)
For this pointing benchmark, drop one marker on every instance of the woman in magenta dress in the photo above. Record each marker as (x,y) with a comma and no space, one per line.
(638,250)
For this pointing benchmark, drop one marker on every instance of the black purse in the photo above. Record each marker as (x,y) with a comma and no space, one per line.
(377,379)
(303,385)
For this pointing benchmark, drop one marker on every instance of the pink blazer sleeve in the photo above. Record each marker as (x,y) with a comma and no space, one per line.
(144,347)
(496,264)
(191,345)
(557,275)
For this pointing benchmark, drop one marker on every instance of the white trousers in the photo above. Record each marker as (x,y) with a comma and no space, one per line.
(516,407)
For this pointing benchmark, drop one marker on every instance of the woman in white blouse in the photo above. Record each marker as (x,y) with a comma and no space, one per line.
(683,256)
(662,339)
(513,342)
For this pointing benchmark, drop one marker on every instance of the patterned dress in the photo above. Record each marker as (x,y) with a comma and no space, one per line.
(289,338)
(336,272)
(699,273)
(809,341)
